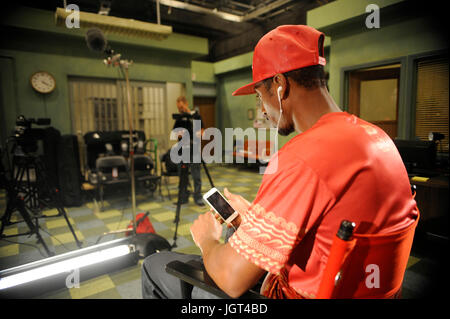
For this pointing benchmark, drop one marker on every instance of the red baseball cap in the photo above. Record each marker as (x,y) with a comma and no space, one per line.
(286,48)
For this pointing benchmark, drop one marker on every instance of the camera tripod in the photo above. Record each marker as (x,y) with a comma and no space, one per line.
(184,169)
(23,194)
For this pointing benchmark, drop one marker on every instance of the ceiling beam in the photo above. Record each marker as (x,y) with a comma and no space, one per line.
(198,9)
(241,4)
(204,23)
(224,15)
(263,10)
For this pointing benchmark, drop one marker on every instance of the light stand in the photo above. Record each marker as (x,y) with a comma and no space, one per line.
(96,41)
(144,243)
(115,60)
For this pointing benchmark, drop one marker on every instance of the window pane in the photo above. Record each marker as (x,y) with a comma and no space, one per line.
(432,99)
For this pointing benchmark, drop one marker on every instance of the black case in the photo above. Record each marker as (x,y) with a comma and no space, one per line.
(69,173)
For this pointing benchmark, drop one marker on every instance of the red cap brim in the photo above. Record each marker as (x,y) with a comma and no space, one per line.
(246,89)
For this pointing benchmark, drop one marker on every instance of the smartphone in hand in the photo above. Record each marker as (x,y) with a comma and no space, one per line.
(220,205)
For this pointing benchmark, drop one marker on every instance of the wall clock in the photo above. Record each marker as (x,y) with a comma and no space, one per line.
(43,82)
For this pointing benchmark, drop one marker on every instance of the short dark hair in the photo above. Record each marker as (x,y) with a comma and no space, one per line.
(310,77)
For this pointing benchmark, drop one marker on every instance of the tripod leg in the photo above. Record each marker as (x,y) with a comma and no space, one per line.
(167,187)
(55,196)
(33,228)
(7,216)
(160,192)
(207,173)
(176,221)
(15,203)
(63,212)
(101,197)
(183,170)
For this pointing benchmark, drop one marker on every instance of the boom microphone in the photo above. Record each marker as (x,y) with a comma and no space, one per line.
(95,40)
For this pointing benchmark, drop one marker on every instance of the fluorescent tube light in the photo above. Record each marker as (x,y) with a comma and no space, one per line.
(63,266)
(110,24)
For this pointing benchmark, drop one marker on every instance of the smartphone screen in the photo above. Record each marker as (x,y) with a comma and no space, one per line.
(221,205)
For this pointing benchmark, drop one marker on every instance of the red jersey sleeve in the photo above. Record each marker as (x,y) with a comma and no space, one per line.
(287,205)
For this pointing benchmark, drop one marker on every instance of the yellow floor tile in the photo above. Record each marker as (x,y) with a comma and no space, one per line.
(66,238)
(108,213)
(15,218)
(239,189)
(227,176)
(183,230)
(51,212)
(92,287)
(60,222)
(96,205)
(223,184)
(149,206)
(118,225)
(9,250)
(10,231)
(242,180)
(412,261)
(162,217)
(200,209)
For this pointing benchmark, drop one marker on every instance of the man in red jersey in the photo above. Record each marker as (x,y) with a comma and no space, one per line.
(337,167)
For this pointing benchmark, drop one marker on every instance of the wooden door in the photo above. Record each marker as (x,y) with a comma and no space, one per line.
(207,109)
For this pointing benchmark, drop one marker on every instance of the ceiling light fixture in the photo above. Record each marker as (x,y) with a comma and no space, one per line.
(109,24)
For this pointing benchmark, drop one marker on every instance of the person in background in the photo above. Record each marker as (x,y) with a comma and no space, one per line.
(186,122)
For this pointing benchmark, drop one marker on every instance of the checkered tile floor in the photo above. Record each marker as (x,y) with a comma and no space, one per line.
(90,223)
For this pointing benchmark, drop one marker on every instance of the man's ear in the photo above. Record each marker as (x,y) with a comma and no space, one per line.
(280,80)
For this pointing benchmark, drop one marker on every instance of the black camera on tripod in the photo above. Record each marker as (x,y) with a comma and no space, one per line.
(182,116)
(27,137)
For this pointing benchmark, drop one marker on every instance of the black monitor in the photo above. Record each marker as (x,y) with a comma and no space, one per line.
(417,155)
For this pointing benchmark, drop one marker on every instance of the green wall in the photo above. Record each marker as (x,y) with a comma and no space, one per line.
(202,72)
(233,109)
(395,41)
(405,33)
(31,42)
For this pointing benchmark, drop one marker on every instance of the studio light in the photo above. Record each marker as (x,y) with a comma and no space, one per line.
(63,266)
(51,273)
(110,24)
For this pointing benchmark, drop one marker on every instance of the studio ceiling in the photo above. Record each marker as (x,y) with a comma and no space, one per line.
(232,26)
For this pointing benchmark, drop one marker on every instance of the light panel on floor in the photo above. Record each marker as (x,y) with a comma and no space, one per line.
(51,273)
